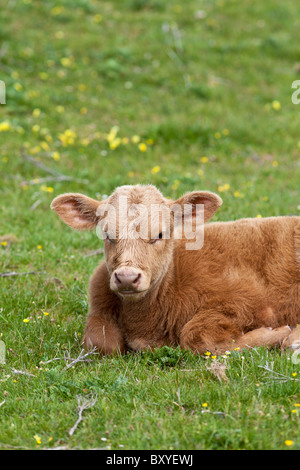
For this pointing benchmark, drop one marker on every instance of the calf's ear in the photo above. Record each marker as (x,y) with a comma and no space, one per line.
(210,201)
(76,210)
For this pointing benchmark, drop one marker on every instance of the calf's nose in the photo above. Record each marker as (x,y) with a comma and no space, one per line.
(127,278)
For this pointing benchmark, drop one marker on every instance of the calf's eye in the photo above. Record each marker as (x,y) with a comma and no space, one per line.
(106,237)
(158,237)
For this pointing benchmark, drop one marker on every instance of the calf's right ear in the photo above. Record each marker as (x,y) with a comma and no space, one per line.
(76,210)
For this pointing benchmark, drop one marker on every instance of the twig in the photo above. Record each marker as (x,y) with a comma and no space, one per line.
(56,176)
(2,403)
(22,372)
(83,404)
(41,165)
(50,360)
(81,358)
(279,377)
(13,273)
(99,251)
(35,204)
(52,179)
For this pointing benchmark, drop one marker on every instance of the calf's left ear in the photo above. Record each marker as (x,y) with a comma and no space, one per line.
(76,210)
(210,201)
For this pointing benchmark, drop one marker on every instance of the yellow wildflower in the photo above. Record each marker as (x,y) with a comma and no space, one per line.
(224,187)
(112,134)
(5,126)
(35,128)
(67,138)
(66,61)
(155,169)
(288,442)
(47,189)
(18,87)
(26,320)
(205,405)
(238,194)
(97,18)
(204,159)
(4,243)
(35,150)
(56,156)
(143,147)
(135,139)
(114,143)
(60,109)
(38,439)
(276,105)
(45,146)
(57,10)
(43,75)
(36,112)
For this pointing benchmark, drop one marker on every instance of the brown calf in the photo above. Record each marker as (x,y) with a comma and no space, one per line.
(238,290)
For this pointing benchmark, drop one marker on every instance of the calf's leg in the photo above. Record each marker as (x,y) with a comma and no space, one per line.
(220,335)
(292,342)
(104,335)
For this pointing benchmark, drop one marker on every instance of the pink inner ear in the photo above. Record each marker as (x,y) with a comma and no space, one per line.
(70,214)
(79,222)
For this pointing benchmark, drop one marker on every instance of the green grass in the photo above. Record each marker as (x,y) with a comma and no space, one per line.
(190,85)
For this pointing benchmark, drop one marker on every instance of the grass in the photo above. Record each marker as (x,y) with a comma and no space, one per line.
(182,95)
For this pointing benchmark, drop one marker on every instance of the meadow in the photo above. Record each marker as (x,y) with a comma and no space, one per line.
(184,95)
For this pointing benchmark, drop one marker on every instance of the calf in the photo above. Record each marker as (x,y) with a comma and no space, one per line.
(237,289)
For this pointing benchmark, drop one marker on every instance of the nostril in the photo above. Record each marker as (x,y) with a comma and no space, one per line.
(127,278)
(136,279)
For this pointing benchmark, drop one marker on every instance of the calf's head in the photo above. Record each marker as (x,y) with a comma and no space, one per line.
(138,225)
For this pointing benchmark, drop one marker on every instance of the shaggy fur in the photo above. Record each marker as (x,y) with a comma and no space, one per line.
(241,289)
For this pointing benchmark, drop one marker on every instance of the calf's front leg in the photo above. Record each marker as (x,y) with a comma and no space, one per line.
(104,335)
